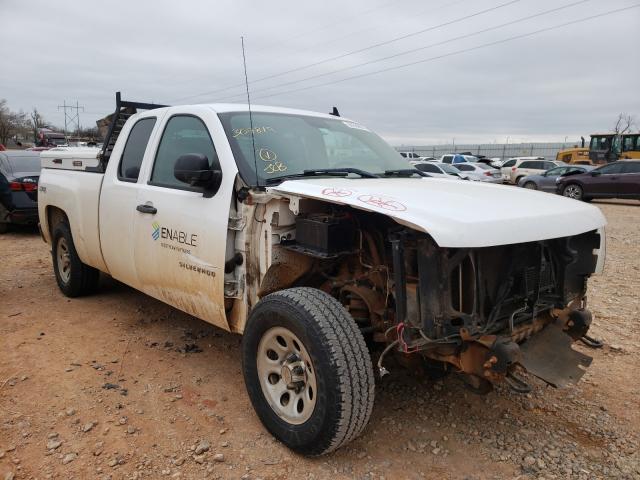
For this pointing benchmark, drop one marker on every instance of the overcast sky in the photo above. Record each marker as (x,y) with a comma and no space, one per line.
(569,81)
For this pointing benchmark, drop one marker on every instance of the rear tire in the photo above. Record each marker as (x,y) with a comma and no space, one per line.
(311,331)
(530,186)
(4,227)
(573,190)
(74,278)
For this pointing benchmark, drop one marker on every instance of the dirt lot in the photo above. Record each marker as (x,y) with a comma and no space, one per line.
(118,385)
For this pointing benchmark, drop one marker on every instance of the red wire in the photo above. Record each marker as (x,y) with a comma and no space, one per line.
(405,347)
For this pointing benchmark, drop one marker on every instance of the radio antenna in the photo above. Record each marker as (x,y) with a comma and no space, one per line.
(253,140)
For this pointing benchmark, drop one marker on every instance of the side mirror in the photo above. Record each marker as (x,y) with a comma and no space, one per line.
(595,173)
(193,168)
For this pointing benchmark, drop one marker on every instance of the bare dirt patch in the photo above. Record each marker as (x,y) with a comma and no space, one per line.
(118,385)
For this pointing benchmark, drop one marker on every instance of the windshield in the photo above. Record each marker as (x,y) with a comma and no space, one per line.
(288,144)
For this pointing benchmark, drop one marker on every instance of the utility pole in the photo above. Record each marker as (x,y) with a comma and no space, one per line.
(70,117)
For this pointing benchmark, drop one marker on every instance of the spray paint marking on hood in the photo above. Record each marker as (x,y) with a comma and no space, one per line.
(457,214)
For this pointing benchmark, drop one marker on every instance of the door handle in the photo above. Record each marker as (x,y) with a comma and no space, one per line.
(144,208)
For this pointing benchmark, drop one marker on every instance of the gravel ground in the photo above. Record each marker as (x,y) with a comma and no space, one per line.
(118,385)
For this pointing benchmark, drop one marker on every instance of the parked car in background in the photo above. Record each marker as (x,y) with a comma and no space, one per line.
(615,180)
(411,155)
(487,161)
(512,172)
(19,173)
(479,172)
(439,170)
(547,181)
(457,158)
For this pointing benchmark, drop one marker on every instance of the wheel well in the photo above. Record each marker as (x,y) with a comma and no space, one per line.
(55,215)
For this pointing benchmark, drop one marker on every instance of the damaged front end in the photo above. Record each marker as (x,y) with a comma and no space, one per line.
(492,311)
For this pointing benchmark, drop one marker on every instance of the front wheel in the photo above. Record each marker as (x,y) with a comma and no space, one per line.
(74,278)
(307,370)
(573,191)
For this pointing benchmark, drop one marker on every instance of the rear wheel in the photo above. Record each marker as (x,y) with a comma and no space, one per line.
(573,190)
(4,227)
(530,186)
(74,278)
(307,370)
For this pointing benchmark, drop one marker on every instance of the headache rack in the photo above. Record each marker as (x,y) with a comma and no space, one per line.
(115,121)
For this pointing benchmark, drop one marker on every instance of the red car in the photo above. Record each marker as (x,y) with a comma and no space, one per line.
(614,180)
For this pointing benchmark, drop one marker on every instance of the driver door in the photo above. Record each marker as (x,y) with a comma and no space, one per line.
(180,235)
(608,182)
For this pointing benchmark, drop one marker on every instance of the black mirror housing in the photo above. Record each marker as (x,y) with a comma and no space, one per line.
(193,168)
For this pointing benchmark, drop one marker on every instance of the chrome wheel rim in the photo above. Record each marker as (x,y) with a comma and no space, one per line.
(64,260)
(287,375)
(530,185)
(572,191)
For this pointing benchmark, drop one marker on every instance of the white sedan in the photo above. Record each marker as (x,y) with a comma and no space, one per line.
(479,172)
(439,170)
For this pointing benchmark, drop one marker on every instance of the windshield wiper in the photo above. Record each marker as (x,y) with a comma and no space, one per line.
(405,172)
(323,172)
(339,171)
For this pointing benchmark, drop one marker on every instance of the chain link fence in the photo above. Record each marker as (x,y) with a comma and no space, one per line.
(491,150)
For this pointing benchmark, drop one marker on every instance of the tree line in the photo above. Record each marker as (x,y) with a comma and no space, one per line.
(21,126)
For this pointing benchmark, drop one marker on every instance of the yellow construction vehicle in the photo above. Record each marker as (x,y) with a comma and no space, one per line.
(630,145)
(603,148)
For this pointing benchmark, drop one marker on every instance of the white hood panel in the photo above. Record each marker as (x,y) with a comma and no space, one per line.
(457,214)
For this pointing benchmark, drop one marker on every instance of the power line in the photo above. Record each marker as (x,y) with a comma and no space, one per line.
(413,50)
(301,34)
(71,118)
(360,50)
(404,20)
(457,52)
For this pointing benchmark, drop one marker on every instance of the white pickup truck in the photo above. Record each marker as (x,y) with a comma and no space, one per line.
(314,239)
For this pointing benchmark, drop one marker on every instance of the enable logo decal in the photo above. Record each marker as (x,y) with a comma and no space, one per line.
(156,230)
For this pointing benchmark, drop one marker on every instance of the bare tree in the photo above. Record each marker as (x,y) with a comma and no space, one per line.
(12,124)
(37,122)
(624,124)
(5,126)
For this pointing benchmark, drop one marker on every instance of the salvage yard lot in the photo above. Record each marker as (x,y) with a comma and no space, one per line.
(118,385)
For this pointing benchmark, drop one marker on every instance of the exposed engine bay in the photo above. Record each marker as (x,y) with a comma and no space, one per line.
(483,312)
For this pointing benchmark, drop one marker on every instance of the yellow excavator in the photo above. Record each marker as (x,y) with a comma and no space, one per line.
(603,148)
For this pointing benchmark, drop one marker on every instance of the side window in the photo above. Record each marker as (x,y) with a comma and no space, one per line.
(548,165)
(465,168)
(610,169)
(631,167)
(527,165)
(131,159)
(425,167)
(183,134)
(403,154)
(447,159)
(627,143)
(509,163)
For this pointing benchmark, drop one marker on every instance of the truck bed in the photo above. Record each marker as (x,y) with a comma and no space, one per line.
(78,194)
